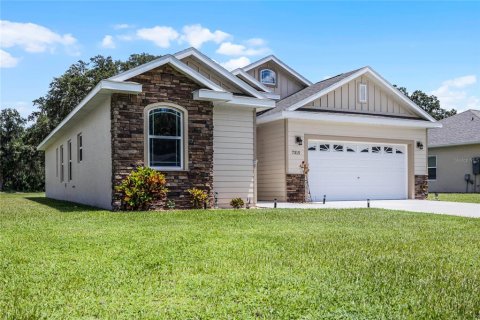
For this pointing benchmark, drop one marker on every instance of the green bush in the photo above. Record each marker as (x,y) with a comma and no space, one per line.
(141,188)
(237,203)
(199,197)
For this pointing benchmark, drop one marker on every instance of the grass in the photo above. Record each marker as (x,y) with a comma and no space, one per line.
(457,197)
(58,261)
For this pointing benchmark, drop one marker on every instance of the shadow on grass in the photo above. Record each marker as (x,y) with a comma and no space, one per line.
(63,206)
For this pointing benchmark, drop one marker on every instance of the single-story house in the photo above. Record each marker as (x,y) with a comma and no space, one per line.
(243,134)
(454,154)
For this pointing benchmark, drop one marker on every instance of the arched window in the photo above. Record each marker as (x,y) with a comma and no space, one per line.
(165,138)
(268,76)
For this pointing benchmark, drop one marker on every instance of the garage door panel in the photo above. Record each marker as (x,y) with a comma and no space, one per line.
(355,175)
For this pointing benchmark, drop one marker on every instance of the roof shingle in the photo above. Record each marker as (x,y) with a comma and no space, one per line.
(463,128)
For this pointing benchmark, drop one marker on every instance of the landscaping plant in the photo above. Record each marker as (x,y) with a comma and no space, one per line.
(141,188)
(237,203)
(199,197)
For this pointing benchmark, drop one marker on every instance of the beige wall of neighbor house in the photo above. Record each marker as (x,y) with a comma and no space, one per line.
(210,74)
(286,84)
(233,154)
(379,99)
(452,165)
(91,181)
(271,160)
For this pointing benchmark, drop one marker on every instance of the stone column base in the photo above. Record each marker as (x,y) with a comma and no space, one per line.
(295,187)
(421,187)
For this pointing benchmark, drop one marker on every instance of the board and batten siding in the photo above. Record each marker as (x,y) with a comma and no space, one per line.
(271,161)
(286,84)
(296,153)
(379,99)
(91,182)
(233,154)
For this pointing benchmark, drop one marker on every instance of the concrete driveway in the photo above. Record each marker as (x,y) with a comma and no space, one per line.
(439,207)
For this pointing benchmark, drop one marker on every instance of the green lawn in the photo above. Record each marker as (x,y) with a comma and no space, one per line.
(63,261)
(457,197)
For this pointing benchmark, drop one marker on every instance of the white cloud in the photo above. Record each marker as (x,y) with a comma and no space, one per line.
(159,35)
(236,63)
(232,49)
(7,60)
(33,37)
(453,93)
(23,107)
(121,26)
(196,35)
(108,42)
(255,42)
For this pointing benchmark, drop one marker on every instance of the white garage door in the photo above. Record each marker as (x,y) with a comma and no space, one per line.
(356,171)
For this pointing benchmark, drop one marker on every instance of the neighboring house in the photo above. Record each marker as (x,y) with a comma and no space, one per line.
(206,127)
(451,153)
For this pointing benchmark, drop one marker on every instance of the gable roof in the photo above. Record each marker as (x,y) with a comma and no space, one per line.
(294,73)
(321,88)
(219,69)
(174,62)
(460,129)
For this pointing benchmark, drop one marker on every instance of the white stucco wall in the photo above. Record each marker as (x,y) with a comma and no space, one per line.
(91,182)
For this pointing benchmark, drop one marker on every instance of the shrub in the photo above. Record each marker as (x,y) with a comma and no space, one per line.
(199,197)
(141,188)
(170,204)
(237,203)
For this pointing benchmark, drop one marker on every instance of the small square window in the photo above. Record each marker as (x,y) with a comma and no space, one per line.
(376,149)
(338,147)
(350,149)
(365,150)
(324,147)
(388,149)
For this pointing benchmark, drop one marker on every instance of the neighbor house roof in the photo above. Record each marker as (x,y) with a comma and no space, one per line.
(315,91)
(460,129)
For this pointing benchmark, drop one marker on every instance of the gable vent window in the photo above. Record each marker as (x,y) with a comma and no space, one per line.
(268,76)
(362,93)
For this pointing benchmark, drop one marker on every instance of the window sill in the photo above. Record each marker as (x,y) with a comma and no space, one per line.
(169,169)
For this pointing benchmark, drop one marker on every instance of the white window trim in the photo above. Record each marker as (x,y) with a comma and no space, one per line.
(436,168)
(56,162)
(362,86)
(79,147)
(62,164)
(69,162)
(267,83)
(183,139)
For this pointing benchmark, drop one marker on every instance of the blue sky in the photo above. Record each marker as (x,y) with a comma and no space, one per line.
(430,46)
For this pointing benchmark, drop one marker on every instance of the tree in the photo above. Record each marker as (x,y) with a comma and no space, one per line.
(18,168)
(429,103)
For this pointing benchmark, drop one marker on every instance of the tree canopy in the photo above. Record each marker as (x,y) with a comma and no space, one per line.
(429,103)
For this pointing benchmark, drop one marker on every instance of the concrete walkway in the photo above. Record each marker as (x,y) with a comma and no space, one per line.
(439,207)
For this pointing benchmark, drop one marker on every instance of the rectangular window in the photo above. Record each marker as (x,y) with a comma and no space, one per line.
(432,168)
(69,160)
(79,147)
(61,164)
(56,162)
(362,93)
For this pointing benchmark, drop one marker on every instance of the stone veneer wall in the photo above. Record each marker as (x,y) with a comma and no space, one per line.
(163,84)
(421,187)
(295,187)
